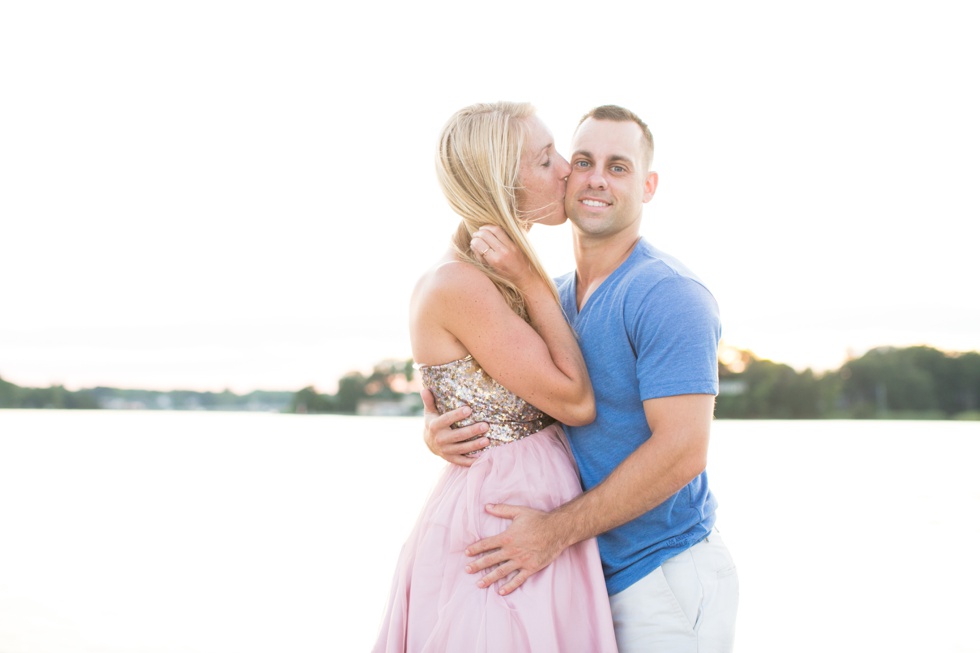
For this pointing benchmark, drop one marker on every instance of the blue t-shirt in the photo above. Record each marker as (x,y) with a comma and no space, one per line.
(651,329)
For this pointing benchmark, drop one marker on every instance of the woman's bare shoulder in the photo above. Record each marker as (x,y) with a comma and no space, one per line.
(443,295)
(452,279)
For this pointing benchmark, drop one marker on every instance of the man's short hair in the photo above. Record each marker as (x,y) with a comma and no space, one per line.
(620,114)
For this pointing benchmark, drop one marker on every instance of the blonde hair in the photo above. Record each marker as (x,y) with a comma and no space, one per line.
(478,167)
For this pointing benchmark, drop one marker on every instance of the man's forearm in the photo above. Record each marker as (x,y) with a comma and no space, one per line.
(644,480)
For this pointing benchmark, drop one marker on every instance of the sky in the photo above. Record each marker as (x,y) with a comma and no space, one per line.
(210,195)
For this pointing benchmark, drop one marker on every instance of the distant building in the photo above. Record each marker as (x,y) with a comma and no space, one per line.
(732,387)
(119,403)
(409,404)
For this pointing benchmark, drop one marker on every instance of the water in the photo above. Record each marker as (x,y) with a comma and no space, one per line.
(157,532)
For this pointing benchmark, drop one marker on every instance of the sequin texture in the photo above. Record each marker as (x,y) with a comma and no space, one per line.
(463,382)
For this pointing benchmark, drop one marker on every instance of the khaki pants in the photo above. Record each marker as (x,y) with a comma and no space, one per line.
(688,604)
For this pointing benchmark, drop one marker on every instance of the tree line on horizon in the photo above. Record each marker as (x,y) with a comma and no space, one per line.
(57,396)
(886,382)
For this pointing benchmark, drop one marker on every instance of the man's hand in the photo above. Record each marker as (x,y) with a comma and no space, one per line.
(449,443)
(529,544)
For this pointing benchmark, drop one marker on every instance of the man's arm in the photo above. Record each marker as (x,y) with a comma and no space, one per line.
(672,457)
(446,442)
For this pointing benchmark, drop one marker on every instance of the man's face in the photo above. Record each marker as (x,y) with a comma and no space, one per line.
(609,182)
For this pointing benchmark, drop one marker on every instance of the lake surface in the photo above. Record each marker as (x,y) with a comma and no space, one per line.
(167,532)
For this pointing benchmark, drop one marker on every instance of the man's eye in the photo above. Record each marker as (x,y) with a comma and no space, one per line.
(581,164)
(618,169)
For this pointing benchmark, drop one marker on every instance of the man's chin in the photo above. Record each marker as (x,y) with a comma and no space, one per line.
(587,223)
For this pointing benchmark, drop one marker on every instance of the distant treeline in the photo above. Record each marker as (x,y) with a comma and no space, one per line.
(886,382)
(382,392)
(13,396)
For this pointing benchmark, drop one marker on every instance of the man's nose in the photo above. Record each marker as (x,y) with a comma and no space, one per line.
(596,180)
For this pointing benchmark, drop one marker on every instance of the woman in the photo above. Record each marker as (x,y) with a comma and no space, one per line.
(510,356)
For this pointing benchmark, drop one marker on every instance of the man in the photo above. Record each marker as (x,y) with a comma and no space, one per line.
(649,333)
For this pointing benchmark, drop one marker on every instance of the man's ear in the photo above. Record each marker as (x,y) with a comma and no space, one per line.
(650,186)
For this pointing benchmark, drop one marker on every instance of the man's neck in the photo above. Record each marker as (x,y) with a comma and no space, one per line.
(597,258)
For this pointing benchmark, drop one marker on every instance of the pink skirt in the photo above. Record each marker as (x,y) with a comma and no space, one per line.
(435,606)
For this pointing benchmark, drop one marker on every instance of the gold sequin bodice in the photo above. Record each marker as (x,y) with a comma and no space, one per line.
(463,382)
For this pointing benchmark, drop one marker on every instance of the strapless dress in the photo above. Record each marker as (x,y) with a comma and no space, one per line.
(434,606)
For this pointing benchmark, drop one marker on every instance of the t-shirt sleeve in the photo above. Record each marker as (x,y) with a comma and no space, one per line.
(675,329)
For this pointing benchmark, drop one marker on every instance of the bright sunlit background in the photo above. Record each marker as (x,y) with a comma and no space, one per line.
(210,195)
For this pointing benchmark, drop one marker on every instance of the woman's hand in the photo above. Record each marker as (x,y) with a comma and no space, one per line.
(492,246)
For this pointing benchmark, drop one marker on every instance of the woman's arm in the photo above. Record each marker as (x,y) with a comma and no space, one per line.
(542,363)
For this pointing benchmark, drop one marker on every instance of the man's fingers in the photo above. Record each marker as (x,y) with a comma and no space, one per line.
(447,437)
(506,568)
(514,583)
(513,556)
(462,461)
(461,448)
(483,546)
(447,419)
(486,562)
(446,442)
(428,400)
(503,510)
(455,447)
(501,572)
